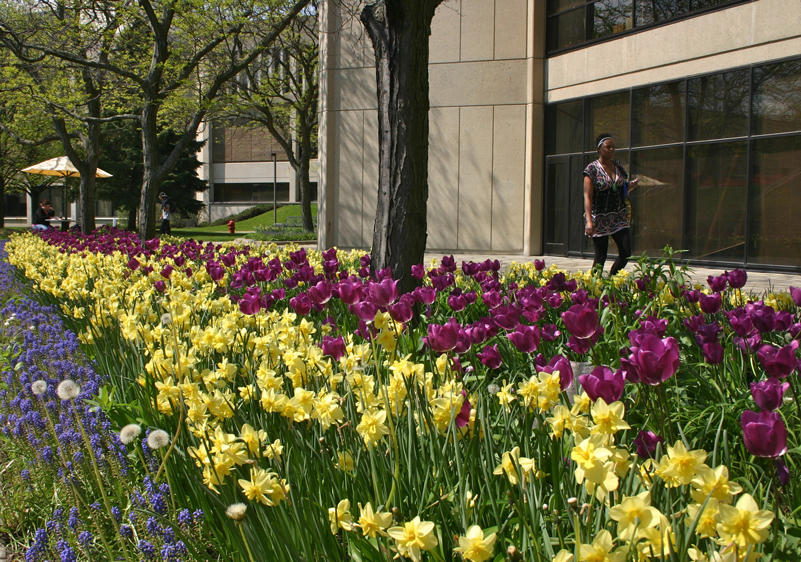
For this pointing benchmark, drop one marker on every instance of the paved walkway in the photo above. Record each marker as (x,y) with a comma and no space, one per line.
(758,281)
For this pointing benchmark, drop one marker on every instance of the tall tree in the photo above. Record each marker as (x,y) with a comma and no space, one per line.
(281,92)
(399,31)
(182,183)
(187,52)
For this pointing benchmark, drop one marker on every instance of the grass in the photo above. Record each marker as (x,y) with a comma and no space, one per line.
(265,220)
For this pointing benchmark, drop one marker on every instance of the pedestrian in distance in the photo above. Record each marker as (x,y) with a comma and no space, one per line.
(44,213)
(606,210)
(167,209)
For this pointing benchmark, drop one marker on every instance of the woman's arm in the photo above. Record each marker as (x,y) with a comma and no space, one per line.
(589,228)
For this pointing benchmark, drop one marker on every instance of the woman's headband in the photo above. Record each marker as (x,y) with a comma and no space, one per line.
(600,142)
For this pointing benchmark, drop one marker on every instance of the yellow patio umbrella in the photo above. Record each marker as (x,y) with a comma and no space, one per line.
(61,167)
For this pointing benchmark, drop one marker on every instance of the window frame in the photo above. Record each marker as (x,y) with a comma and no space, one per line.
(589,40)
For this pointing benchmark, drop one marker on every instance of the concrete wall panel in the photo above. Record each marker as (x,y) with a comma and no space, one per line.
(475,178)
(508,178)
(355,89)
(348,38)
(443,178)
(369,176)
(478,83)
(478,30)
(348,147)
(510,29)
(445,41)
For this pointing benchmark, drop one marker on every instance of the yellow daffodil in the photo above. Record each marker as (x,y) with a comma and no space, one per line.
(679,466)
(340,518)
(743,524)
(634,513)
(511,462)
(474,546)
(601,550)
(707,523)
(608,418)
(590,456)
(372,426)
(715,482)
(372,523)
(413,538)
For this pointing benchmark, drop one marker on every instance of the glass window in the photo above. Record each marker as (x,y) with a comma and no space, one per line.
(612,16)
(777,98)
(718,105)
(657,200)
(567,29)
(563,127)
(775,235)
(652,11)
(608,114)
(16,205)
(701,4)
(658,114)
(716,201)
(556,6)
(245,192)
(558,187)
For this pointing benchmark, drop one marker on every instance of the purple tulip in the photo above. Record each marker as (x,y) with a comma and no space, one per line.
(710,303)
(782,471)
(443,338)
(133,264)
(692,296)
(717,284)
(525,338)
(301,304)
(628,370)
(550,332)
(457,302)
(418,271)
(750,344)
(448,264)
(778,362)
(492,299)
(490,357)
(764,433)
(349,293)
(737,278)
(249,304)
(783,321)
(463,417)
(402,311)
(335,347)
(646,443)
(321,292)
(795,294)
(741,323)
(763,316)
(604,383)
(656,360)
(582,322)
(477,332)
(768,394)
(470,268)
(365,311)
(713,353)
(506,317)
(561,364)
(708,333)
(167,271)
(159,286)
(463,343)
(385,292)
(539,265)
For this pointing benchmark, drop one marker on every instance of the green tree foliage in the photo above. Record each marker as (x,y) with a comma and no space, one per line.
(181,184)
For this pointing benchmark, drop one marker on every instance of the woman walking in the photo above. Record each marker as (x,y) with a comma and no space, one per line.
(606,188)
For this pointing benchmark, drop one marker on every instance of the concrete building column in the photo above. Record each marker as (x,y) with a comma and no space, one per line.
(326,211)
(535,125)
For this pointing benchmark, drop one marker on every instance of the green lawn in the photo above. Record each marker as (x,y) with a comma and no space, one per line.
(265,219)
(220,233)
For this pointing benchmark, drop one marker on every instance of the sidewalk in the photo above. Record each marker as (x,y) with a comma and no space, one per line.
(758,281)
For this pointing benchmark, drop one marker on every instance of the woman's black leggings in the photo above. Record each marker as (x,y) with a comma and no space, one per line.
(623,240)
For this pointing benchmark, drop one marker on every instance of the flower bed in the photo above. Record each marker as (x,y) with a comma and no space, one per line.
(333,419)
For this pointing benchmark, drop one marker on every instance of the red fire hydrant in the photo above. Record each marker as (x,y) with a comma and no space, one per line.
(231,227)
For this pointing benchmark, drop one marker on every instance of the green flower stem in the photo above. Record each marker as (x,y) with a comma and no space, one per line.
(245,540)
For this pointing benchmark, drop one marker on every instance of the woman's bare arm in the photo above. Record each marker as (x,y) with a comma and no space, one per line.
(589,228)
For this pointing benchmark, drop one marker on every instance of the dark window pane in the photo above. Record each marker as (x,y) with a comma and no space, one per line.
(577,241)
(245,192)
(563,127)
(16,205)
(658,114)
(567,29)
(716,200)
(612,16)
(701,4)
(608,114)
(719,105)
(657,201)
(777,98)
(557,188)
(556,6)
(775,236)
(652,11)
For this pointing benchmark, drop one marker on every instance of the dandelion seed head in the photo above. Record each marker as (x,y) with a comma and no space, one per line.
(157,439)
(129,433)
(236,511)
(166,318)
(39,387)
(68,390)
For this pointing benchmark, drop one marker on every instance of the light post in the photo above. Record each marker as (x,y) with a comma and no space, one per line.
(275,197)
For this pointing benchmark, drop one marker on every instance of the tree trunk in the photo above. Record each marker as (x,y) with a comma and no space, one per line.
(132,212)
(2,202)
(148,202)
(399,31)
(86,202)
(303,177)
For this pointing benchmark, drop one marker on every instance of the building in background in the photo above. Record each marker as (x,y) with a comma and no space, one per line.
(703,98)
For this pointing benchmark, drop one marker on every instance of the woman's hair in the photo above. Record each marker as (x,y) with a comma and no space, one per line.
(602,136)
(45,202)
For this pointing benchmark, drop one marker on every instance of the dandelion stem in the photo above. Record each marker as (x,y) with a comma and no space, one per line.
(247,545)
